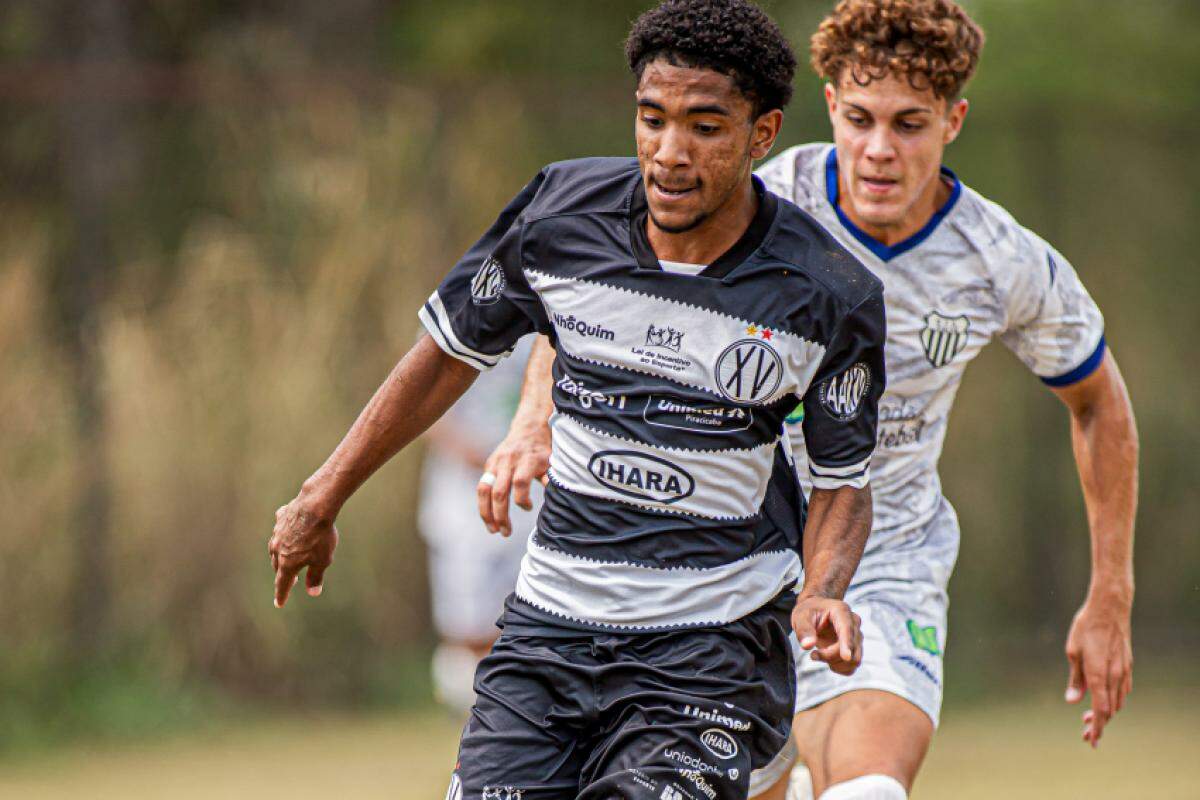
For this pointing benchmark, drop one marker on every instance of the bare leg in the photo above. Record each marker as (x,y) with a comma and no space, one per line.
(864,732)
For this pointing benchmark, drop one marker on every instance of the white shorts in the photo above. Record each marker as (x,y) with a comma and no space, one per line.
(904,637)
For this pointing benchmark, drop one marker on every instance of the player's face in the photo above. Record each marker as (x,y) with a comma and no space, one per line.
(696,142)
(890,138)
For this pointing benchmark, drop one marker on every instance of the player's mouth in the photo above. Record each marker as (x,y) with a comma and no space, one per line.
(878,185)
(672,193)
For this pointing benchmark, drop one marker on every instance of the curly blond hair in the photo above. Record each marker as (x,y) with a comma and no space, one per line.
(932,43)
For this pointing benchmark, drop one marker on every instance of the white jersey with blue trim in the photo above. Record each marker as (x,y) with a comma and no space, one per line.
(971,275)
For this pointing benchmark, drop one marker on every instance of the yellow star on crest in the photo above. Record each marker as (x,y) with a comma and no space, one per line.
(752,330)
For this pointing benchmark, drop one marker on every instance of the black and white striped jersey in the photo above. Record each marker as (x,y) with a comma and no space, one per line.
(671,502)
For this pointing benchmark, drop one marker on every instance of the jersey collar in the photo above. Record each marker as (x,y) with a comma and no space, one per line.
(883,251)
(741,250)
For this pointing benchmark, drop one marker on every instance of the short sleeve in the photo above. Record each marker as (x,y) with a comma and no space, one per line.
(1054,326)
(485,304)
(841,406)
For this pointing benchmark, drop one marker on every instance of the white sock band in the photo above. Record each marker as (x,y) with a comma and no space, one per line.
(868,787)
(800,784)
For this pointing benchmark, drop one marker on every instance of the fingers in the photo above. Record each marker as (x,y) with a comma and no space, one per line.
(1093,727)
(483,495)
(1097,681)
(522,478)
(1076,685)
(285,579)
(500,492)
(314,580)
(805,626)
(845,628)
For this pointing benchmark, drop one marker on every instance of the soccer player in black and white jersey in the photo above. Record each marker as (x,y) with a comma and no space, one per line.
(645,652)
(959,272)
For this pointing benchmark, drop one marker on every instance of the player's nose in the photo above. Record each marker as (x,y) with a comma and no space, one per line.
(674,149)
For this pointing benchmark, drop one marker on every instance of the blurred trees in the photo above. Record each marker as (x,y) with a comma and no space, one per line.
(217,220)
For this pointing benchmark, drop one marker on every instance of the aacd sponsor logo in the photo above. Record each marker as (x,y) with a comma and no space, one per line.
(842,395)
(640,475)
(719,743)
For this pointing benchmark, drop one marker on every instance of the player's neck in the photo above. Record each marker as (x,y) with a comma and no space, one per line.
(709,240)
(932,198)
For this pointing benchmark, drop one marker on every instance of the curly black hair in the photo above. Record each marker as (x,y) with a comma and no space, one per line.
(733,37)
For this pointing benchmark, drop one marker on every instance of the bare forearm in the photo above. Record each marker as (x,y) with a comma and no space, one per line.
(1105,441)
(537,402)
(421,387)
(839,522)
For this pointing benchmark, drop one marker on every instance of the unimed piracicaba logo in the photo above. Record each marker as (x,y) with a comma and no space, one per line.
(641,475)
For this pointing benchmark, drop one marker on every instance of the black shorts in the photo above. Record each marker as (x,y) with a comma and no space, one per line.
(680,715)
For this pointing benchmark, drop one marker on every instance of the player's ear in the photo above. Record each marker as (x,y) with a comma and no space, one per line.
(955,115)
(766,129)
(831,99)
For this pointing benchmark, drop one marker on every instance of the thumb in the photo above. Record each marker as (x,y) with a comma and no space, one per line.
(806,625)
(313,580)
(1076,683)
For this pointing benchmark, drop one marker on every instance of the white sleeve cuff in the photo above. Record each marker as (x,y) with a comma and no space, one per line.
(433,316)
(855,475)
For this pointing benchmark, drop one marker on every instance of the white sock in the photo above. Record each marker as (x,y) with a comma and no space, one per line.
(868,787)
(800,784)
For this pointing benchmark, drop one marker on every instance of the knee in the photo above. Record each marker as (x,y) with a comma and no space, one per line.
(867,787)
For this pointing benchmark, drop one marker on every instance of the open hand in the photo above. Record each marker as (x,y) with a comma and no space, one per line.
(522,457)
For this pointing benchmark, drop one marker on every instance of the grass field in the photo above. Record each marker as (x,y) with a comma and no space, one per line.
(1023,748)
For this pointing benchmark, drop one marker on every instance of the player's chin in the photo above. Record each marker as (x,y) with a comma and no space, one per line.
(676,220)
(882,214)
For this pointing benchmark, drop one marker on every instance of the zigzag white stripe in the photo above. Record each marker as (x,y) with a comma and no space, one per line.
(613,332)
(635,596)
(717,485)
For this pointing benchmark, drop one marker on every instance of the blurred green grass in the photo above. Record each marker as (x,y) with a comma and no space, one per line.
(1025,745)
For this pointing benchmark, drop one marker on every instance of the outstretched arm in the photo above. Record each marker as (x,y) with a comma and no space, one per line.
(420,389)
(524,455)
(1105,440)
(839,521)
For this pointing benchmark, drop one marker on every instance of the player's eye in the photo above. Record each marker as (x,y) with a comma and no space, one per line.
(909,127)
(857,119)
(651,121)
(707,128)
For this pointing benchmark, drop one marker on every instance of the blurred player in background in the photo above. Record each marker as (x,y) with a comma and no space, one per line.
(470,571)
(958,272)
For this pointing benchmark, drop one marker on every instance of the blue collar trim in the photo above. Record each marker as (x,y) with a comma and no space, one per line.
(883,251)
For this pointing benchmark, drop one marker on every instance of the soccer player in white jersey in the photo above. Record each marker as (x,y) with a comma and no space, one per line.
(470,573)
(958,272)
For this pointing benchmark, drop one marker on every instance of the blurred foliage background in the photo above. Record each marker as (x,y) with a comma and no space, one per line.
(217,222)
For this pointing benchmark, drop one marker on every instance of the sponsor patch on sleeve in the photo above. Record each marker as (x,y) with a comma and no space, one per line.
(842,395)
